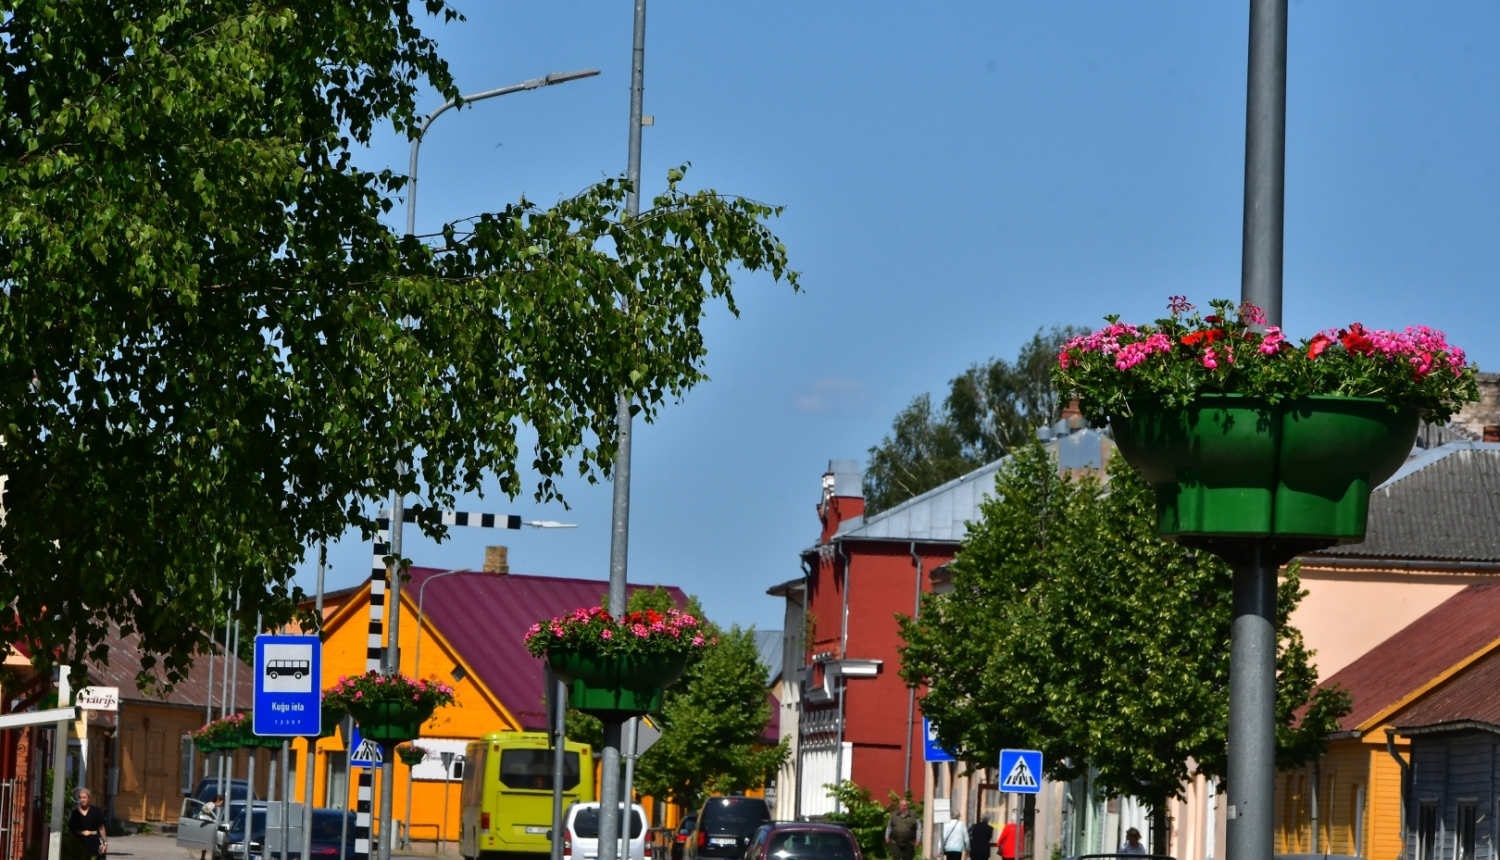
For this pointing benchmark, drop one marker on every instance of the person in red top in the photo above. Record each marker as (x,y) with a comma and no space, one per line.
(1012,838)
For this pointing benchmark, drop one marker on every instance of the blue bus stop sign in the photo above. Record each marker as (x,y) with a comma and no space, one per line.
(930,749)
(288,689)
(1021,771)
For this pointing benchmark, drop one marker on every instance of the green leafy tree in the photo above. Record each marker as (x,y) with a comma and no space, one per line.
(990,409)
(713,720)
(864,816)
(214,353)
(1074,629)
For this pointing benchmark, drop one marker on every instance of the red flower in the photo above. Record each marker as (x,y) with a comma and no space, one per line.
(1356,340)
(1210,336)
(1319,343)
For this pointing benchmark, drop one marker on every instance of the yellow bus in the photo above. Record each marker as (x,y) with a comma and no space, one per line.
(507,792)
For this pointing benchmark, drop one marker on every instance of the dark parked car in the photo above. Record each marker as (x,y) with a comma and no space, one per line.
(800,840)
(724,827)
(208,788)
(683,834)
(328,827)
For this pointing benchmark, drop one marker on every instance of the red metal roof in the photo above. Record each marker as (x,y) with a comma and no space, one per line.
(1414,656)
(1472,694)
(192,691)
(485,616)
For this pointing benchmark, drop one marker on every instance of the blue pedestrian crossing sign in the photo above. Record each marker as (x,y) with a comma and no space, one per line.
(1021,771)
(288,688)
(363,752)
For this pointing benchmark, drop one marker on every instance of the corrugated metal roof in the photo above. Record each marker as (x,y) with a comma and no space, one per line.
(942,514)
(1414,656)
(768,643)
(1472,694)
(1443,504)
(192,691)
(485,617)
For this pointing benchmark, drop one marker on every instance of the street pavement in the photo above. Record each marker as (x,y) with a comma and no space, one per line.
(154,847)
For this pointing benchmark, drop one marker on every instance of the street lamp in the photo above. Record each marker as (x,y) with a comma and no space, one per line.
(534,83)
(393,659)
(416,672)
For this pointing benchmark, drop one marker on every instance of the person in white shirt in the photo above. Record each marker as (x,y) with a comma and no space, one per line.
(1133,843)
(955,839)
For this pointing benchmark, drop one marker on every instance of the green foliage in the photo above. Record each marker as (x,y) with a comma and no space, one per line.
(1074,629)
(864,816)
(990,410)
(713,725)
(214,354)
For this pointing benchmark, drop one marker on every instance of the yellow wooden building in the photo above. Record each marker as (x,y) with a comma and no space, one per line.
(1349,801)
(471,633)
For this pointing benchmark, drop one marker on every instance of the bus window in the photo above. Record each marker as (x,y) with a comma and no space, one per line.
(522,768)
(473,777)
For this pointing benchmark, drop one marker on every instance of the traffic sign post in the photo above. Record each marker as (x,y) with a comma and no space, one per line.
(288,696)
(1021,771)
(931,751)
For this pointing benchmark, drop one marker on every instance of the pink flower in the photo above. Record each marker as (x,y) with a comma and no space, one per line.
(1210,359)
(1273,341)
(1178,305)
(605,634)
(1252,314)
(698,641)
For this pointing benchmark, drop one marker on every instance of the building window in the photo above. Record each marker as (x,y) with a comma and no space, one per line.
(1464,833)
(1427,825)
(185,764)
(1357,822)
(336,780)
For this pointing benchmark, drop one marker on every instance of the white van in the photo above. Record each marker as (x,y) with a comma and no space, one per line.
(581,841)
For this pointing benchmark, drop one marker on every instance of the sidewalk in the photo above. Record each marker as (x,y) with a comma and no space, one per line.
(151,847)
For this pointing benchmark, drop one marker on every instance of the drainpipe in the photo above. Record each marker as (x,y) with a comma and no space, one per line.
(801,667)
(1317,774)
(844,629)
(911,692)
(838,773)
(1390,747)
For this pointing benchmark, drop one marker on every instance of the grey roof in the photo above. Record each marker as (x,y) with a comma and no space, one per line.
(942,514)
(768,643)
(1443,504)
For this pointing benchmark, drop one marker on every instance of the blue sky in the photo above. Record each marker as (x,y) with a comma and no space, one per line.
(956,175)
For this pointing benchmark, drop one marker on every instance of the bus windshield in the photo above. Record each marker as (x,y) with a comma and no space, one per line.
(523,768)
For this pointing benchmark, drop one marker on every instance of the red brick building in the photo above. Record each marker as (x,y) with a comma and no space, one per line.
(852,716)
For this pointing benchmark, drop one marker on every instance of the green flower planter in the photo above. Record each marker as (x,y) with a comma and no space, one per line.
(411,757)
(616,687)
(1212,464)
(1334,450)
(331,719)
(389,721)
(1230,466)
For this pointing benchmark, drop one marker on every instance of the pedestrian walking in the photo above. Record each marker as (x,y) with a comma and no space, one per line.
(901,832)
(955,839)
(86,823)
(1133,844)
(1012,838)
(980,836)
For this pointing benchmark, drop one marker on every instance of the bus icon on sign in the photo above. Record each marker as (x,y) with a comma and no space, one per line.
(295,668)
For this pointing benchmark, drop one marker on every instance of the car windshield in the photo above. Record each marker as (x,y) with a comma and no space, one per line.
(328,825)
(809,845)
(738,816)
(586,823)
(688,824)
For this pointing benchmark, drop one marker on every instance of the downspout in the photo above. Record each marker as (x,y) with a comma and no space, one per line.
(801,667)
(838,773)
(1317,774)
(1390,747)
(911,692)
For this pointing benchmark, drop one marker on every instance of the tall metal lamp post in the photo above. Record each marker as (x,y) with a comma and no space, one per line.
(393,649)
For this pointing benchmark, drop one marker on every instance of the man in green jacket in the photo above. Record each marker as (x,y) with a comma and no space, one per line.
(901,832)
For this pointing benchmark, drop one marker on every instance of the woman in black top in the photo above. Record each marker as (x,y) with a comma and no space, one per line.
(86,823)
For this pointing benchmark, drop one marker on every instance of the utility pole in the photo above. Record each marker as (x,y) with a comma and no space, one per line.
(59,764)
(1252,650)
(619,534)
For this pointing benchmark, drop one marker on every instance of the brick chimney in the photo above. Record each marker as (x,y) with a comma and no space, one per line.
(843,496)
(1492,432)
(497,560)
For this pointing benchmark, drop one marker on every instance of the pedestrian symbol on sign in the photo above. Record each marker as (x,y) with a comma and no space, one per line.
(1022,771)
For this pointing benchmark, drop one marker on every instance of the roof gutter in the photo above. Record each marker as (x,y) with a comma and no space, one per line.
(1414,565)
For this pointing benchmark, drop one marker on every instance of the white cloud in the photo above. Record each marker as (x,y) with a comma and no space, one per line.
(831,394)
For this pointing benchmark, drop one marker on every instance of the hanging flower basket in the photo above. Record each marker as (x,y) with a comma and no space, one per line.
(389,709)
(331,719)
(227,733)
(1242,435)
(411,755)
(617,668)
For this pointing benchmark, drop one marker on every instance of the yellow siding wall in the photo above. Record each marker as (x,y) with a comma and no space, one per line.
(474,713)
(1351,764)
